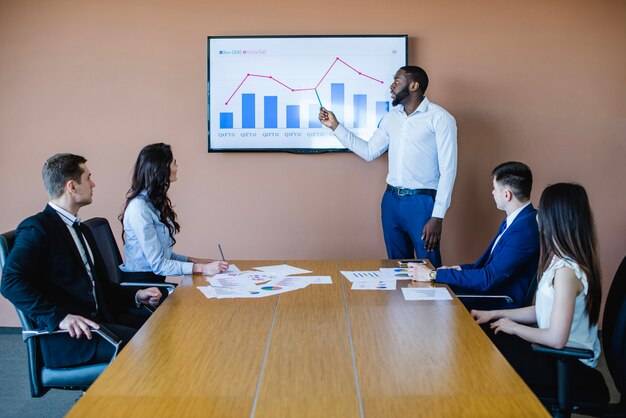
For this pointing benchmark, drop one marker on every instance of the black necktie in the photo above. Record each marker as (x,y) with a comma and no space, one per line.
(78,228)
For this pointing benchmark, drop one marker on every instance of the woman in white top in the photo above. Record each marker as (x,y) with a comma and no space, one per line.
(567,303)
(150,222)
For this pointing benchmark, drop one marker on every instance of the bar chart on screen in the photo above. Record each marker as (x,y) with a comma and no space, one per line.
(266,93)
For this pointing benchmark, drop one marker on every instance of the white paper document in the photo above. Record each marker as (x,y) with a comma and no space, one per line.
(243,278)
(282,269)
(294,282)
(207,291)
(360,275)
(426,293)
(315,279)
(397,273)
(379,284)
(232,269)
(237,292)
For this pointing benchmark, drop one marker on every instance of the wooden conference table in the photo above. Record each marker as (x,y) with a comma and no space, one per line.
(322,351)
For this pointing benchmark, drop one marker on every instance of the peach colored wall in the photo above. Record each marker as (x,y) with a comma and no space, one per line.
(538,81)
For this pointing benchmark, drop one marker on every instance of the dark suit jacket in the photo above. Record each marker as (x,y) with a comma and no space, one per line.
(509,269)
(45,277)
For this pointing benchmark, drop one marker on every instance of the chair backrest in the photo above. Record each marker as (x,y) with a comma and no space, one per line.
(530,293)
(105,241)
(6,243)
(35,360)
(614,328)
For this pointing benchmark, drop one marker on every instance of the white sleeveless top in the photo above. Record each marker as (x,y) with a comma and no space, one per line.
(581,334)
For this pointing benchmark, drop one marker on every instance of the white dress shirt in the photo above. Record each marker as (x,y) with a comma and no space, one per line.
(422,149)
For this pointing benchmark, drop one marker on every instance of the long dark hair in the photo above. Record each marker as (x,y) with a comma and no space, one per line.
(567,230)
(152,174)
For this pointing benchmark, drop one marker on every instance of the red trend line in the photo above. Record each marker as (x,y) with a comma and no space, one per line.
(327,71)
(305,88)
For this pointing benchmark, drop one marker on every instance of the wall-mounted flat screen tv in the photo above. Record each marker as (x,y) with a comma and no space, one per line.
(264,92)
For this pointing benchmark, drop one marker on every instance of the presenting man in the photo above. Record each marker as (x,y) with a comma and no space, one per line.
(421,139)
(510,262)
(56,276)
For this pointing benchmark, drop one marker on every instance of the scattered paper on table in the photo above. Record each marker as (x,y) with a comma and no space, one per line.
(237,292)
(242,278)
(232,269)
(316,279)
(368,284)
(282,269)
(426,293)
(360,275)
(295,282)
(207,291)
(395,273)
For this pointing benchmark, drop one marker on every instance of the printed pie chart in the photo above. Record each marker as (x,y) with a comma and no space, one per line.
(270,288)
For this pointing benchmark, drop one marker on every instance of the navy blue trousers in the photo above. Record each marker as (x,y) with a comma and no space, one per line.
(403,219)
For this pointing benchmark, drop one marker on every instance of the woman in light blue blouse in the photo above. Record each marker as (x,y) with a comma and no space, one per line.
(150,222)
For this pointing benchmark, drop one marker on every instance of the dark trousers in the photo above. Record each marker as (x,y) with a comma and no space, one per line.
(60,350)
(104,350)
(536,369)
(403,219)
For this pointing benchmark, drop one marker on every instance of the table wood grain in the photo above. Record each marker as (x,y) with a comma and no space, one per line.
(322,351)
(428,358)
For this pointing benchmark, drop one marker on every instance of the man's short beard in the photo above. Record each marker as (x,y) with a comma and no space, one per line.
(403,94)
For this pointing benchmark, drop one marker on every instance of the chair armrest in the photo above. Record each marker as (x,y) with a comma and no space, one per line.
(103,332)
(169,286)
(565,352)
(506,298)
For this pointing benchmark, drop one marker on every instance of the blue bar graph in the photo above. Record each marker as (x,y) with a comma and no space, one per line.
(314,113)
(293,116)
(271,111)
(360,110)
(382,108)
(247,111)
(226,120)
(337,100)
(268,111)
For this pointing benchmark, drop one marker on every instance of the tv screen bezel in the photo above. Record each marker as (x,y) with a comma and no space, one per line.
(286,150)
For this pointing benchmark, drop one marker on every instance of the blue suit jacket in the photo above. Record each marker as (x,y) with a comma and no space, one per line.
(45,277)
(509,269)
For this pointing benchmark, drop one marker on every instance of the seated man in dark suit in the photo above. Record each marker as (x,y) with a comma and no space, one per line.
(55,275)
(510,262)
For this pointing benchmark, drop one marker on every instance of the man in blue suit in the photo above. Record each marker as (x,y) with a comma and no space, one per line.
(509,264)
(56,276)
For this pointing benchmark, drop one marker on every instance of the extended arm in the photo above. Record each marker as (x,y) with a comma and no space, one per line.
(525,315)
(566,287)
(516,251)
(368,150)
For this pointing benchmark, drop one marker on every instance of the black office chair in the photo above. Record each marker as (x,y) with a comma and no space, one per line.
(489,302)
(590,395)
(105,240)
(43,378)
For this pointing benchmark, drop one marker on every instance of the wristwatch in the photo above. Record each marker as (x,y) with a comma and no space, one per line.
(433,276)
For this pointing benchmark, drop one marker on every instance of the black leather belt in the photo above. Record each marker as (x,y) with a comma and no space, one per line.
(401,191)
